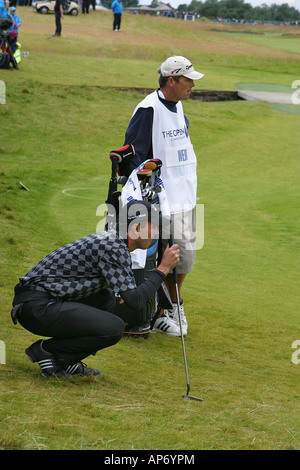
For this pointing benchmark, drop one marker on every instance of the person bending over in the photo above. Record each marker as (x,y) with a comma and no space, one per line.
(69,296)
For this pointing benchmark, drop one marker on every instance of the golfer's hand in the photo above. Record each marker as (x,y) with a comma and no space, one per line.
(170,258)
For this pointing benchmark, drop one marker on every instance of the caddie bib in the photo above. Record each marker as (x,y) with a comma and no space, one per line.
(172,145)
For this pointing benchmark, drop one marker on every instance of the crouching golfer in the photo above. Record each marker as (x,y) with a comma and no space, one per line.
(69,295)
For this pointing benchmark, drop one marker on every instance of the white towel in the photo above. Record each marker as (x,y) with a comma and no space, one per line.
(132,191)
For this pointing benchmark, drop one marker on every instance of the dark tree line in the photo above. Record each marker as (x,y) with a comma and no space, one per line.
(233,9)
(240,10)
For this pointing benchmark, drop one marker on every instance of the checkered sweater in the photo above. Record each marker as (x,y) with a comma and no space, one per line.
(83,268)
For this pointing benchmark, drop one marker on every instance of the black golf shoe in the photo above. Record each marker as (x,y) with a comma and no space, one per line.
(45,360)
(80,369)
(141,331)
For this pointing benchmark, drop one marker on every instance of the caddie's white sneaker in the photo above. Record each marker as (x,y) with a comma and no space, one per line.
(164,324)
(173,314)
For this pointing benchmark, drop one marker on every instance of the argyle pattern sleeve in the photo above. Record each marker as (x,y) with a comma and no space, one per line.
(83,268)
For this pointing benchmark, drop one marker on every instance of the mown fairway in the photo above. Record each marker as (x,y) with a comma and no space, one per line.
(62,117)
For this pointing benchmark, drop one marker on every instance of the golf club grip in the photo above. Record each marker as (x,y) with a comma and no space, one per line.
(114,167)
(174,269)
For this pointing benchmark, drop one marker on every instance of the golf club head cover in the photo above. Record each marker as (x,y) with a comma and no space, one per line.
(154,164)
(144,173)
(122,154)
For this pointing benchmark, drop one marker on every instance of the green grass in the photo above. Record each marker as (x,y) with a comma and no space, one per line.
(289,44)
(268,87)
(241,299)
(90,53)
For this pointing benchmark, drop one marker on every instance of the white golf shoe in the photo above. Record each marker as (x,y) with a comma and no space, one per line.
(174,315)
(164,324)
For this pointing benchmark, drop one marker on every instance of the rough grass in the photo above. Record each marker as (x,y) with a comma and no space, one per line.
(90,53)
(241,299)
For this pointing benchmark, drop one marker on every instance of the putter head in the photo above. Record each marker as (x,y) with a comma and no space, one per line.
(192,398)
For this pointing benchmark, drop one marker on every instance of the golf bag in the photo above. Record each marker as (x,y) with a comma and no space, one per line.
(146,179)
(4,60)
(7,54)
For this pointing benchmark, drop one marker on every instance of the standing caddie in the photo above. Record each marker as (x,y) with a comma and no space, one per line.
(159,129)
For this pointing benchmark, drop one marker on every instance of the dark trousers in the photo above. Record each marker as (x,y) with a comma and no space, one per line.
(117,21)
(85,6)
(58,23)
(75,329)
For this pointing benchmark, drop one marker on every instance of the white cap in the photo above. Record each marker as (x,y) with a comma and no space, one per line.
(177,66)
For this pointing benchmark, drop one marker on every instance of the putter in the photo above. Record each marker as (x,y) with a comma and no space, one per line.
(182,339)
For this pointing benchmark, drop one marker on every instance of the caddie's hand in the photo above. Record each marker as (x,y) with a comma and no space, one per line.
(170,258)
